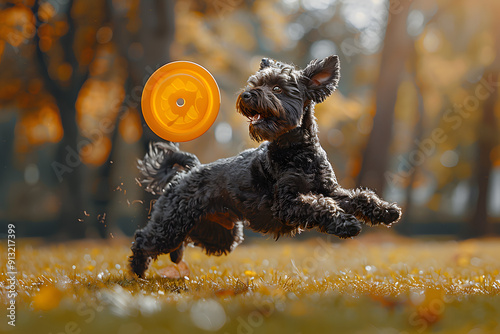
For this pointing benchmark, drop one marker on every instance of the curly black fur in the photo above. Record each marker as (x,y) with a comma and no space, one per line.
(162,163)
(284,186)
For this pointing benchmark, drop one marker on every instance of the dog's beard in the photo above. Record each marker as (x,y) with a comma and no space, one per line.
(265,123)
(265,129)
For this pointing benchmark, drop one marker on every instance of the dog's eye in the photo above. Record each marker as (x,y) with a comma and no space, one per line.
(277,89)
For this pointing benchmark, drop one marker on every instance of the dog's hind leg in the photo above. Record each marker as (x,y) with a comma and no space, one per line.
(152,241)
(217,237)
(176,255)
(172,220)
(217,234)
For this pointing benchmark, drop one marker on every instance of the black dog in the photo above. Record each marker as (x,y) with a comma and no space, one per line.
(284,186)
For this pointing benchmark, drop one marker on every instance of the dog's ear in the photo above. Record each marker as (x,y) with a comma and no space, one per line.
(265,62)
(321,78)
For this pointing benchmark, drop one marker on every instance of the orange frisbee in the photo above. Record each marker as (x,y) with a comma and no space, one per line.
(180,101)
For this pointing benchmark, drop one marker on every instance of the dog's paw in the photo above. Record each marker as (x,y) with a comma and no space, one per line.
(387,215)
(345,226)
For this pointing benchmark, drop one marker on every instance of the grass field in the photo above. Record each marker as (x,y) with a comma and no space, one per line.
(373,284)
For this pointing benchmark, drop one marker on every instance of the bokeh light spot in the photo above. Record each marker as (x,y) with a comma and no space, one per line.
(104,35)
(31,174)
(323,48)
(415,23)
(223,133)
(449,158)
(208,315)
(431,41)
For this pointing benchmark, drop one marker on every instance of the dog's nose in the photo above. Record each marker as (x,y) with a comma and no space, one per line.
(246,95)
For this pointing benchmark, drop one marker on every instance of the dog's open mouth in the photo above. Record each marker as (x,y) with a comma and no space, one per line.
(257,118)
(254,116)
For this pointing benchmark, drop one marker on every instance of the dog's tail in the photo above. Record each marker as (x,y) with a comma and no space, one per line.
(164,161)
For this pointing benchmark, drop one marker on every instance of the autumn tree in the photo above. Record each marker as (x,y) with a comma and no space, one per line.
(77,78)
(395,53)
(487,134)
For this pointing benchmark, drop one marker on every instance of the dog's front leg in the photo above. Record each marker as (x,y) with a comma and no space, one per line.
(313,210)
(367,206)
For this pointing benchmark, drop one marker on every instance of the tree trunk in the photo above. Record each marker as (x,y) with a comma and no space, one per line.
(154,36)
(405,227)
(396,50)
(67,166)
(73,200)
(152,41)
(487,133)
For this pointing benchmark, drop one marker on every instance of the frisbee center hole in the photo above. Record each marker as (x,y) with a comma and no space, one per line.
(180,102)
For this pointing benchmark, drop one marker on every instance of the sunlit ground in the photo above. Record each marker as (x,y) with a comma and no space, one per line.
(373,284)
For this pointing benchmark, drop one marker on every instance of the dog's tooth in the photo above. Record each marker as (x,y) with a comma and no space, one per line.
(255,118)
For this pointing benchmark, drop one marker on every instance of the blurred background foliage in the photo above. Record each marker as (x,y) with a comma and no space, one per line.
(416,116)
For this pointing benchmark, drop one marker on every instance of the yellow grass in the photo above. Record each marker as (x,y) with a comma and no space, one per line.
(373,284)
